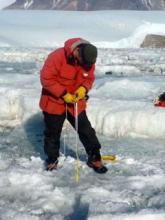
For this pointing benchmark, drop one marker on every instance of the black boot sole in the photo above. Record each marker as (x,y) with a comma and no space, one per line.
(100,170)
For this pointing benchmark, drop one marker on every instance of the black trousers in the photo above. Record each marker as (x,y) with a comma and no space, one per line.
(52,133)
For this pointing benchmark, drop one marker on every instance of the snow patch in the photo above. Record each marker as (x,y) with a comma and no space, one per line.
(27,4)
(11,107)
(160,216)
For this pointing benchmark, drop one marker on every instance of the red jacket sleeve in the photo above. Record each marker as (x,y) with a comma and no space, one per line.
(90,79)
(49,76)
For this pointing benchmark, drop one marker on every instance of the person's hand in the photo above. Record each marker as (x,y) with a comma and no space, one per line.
(69,98)
(80,93)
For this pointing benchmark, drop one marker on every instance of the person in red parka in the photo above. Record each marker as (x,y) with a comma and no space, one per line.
(66,78)
(159,101)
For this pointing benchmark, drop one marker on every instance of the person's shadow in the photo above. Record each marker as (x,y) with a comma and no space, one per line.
(34,129)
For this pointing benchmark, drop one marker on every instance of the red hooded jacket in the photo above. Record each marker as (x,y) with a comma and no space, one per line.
(160,104)
(59,76)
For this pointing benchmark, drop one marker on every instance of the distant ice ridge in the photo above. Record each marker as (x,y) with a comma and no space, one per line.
(136,38)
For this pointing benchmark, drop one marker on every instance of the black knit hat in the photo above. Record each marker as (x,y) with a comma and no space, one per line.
(88,53)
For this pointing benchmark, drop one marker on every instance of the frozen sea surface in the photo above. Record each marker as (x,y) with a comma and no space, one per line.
(128,125)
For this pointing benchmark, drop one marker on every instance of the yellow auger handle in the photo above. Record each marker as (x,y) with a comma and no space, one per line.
(108,157)
(77,171)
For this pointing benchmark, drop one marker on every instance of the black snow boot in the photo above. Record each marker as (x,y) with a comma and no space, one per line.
(95,162)
(51,164)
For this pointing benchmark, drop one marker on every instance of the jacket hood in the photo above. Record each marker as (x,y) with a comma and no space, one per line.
(71,44)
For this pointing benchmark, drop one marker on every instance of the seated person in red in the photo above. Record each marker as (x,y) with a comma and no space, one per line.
(160,100)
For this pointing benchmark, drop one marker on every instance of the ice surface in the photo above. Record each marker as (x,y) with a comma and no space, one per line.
(120,108)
